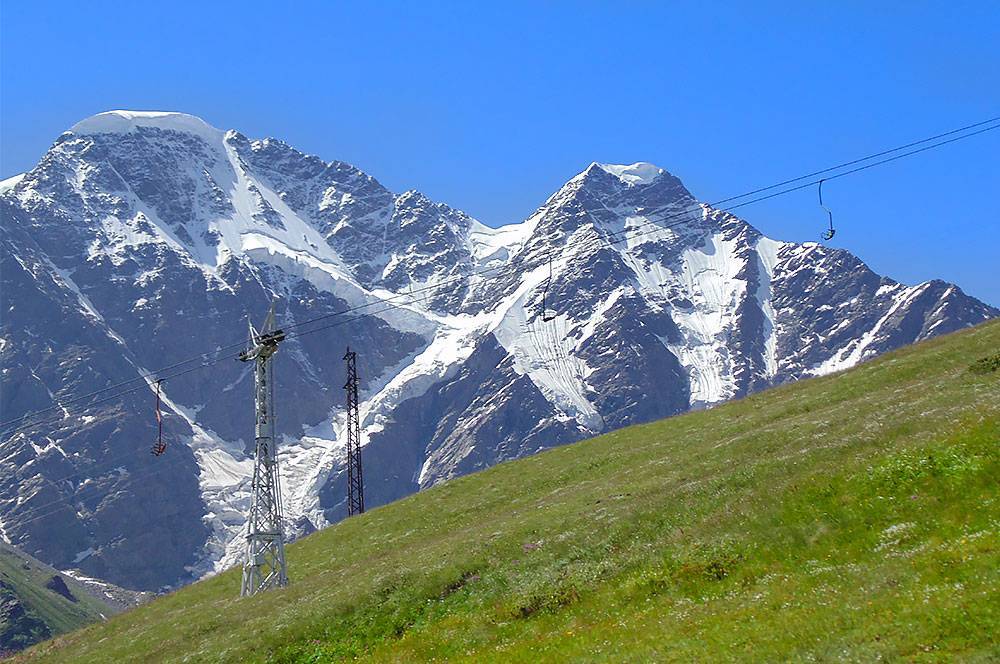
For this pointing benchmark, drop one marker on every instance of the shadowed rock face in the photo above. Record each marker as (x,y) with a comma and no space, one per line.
(57,585)
(141,240)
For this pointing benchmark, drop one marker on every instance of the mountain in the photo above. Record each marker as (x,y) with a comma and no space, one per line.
(37,601)
(851,517)
(143,238)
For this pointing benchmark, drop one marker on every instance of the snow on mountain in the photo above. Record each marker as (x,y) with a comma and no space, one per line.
(634,174)
(116,122)
(144,237)
(10,183)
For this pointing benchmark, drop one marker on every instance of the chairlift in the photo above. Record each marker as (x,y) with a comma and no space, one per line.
(830,232)
(159,447)
(548,315)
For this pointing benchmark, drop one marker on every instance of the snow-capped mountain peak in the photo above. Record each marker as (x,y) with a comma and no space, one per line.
(143,237)
(117,122)
(639,173)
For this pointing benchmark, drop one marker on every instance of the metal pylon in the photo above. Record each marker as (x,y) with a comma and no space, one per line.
(355,481)
(264,566)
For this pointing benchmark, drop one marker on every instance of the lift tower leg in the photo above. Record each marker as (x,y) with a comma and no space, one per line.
(264,566)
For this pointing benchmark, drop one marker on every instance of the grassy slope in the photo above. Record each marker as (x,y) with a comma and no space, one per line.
(842,518)
(28,577)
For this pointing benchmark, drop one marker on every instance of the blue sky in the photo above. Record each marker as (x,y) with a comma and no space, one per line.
(491,107)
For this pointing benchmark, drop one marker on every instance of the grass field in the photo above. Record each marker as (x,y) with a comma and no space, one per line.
(852,517)
(24,578)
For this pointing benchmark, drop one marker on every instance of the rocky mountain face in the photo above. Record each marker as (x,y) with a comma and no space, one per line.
(143,239)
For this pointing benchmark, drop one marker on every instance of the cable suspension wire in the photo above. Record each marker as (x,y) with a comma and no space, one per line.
(39,511)
(206,355)
(859,160)
(715,204)
(810,183)
(438,287)
(111,462)
(112,397)
(150,377)
(64,503)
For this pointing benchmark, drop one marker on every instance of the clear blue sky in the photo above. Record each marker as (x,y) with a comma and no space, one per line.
(490,108)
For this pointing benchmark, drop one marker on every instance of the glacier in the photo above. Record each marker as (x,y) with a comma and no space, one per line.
(142,238)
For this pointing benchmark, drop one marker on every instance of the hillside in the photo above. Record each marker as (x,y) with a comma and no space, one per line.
(37,601)
(849,517)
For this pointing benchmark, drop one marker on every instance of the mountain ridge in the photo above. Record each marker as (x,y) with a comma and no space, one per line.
(127,249)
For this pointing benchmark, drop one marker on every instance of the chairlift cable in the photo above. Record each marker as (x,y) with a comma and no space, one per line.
(610,238)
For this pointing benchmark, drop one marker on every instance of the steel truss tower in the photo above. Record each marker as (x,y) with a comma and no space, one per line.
(264,566)
(355,481)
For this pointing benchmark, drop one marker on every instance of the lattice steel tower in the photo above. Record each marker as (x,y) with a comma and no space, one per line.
(264,566)
(355,481)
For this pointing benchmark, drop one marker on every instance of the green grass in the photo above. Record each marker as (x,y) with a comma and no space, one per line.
(27,577)
(847,518)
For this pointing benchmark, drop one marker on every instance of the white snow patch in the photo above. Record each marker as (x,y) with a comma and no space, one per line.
(225,487)
(496,244)
(633,174)
(119,122)
(887,288)
(219,468)
(767,253)
(856,351)
(545,351)
(10,183)
(52,445)
(708,276)
(83,555)
(86,306)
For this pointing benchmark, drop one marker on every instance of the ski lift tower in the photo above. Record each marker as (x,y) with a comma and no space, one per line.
(264,566)
(355,482)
